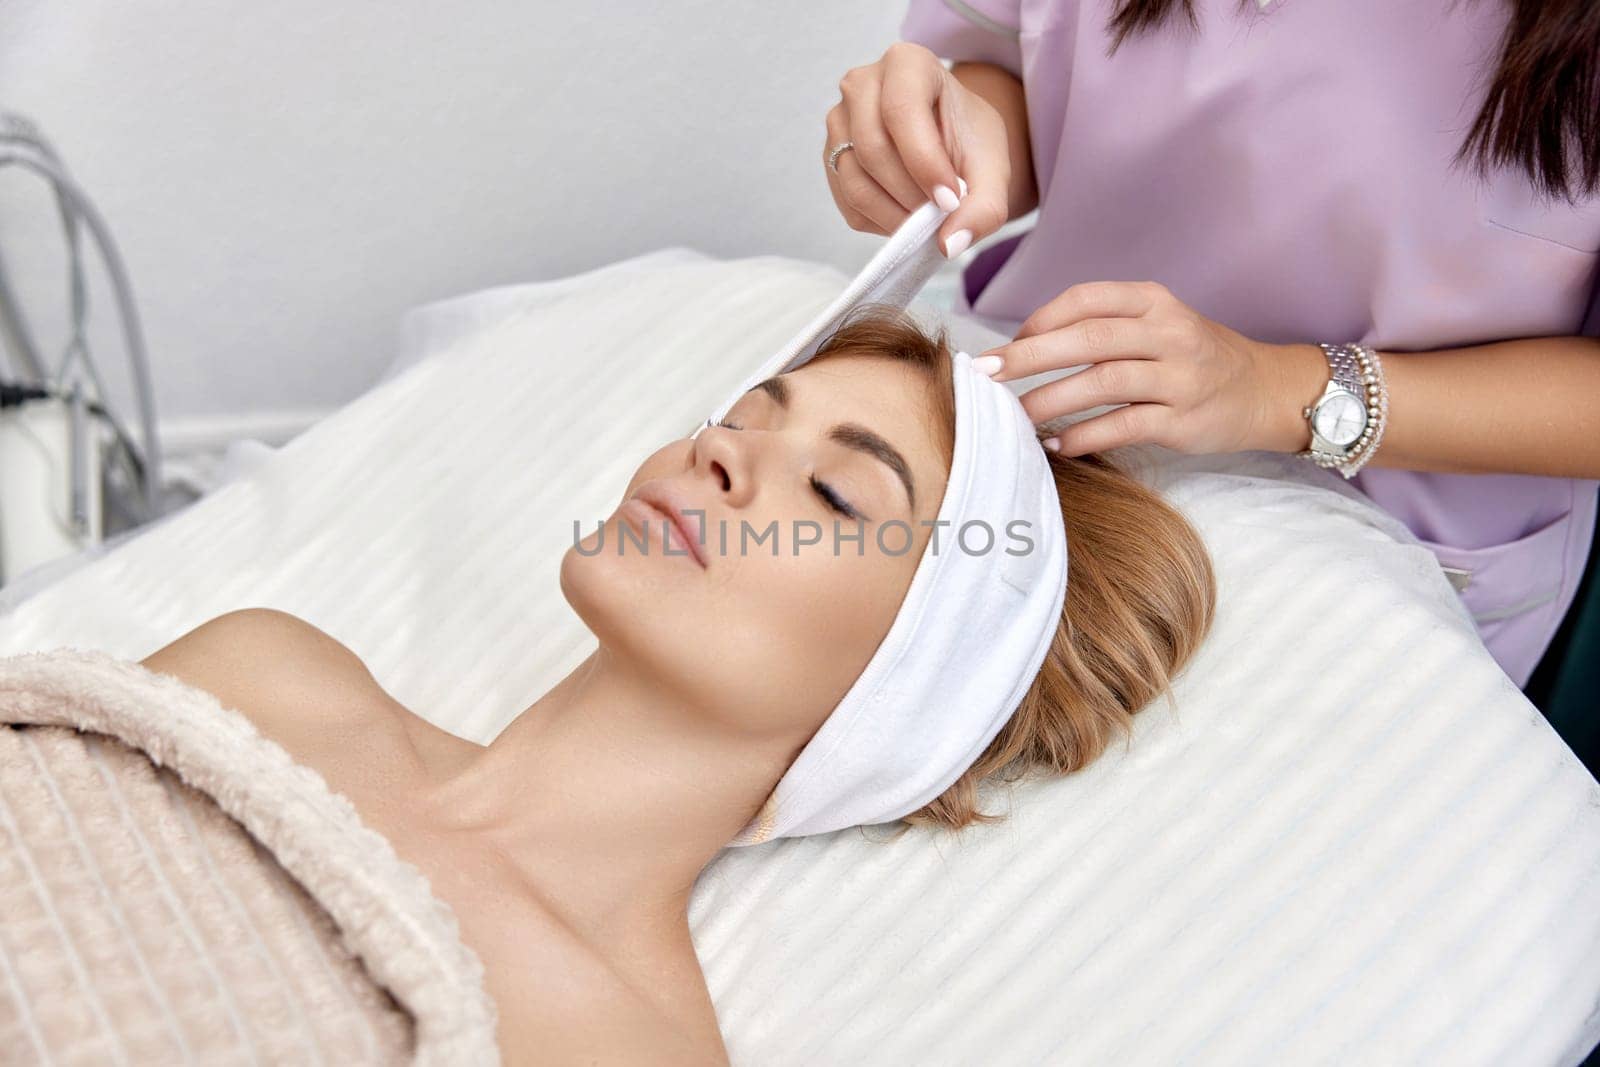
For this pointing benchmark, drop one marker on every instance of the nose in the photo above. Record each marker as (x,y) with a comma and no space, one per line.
(725,458)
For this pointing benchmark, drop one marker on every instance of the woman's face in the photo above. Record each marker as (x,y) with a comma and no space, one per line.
(771,629)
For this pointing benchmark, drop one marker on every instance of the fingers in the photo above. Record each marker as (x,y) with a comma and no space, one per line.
(911,95)
(1119,381)
(897,114)
(905,100)
(1098,299)
(977,136)
(860,199)
(1090,341)
(1134,424)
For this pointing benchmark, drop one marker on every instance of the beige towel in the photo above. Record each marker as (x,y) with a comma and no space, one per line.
(175,888)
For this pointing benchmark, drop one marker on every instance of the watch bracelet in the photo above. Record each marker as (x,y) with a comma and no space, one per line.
(1342,370)
(1357,368)
(1376,397)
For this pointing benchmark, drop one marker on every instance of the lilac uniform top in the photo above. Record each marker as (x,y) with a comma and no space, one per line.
(1285,171)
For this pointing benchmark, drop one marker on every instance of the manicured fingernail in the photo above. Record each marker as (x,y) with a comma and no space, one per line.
(957,243)
(989,365)
(963,183)
(945,197)
(1053,443)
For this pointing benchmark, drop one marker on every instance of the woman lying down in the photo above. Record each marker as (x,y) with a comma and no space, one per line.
(843,602)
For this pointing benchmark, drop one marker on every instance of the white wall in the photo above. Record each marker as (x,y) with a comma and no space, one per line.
(286,178)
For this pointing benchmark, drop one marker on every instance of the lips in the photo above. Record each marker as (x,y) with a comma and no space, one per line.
(667,507)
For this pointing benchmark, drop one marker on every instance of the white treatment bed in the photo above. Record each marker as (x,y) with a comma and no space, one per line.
(1349,842)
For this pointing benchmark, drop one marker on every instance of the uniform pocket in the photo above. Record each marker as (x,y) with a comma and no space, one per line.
(1510,579)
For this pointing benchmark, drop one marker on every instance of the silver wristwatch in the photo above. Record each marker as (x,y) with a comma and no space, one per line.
(1338,417)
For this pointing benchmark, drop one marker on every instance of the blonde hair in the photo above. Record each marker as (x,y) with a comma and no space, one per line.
(1140,594)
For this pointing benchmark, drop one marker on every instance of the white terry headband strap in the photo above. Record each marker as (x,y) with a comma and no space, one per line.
(977,620)
(894,275)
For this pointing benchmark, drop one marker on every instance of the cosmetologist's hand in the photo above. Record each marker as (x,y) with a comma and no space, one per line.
(1188,383)
(918,132)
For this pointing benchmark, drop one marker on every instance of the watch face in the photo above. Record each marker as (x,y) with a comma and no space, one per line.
(1340,418)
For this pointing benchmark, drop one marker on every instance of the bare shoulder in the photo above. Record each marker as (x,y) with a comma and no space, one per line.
(298,684)
(243,652)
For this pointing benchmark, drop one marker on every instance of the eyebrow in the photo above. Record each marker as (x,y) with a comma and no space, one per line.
(851,435)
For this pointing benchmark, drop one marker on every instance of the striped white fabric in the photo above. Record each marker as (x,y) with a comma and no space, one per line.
(1350,840)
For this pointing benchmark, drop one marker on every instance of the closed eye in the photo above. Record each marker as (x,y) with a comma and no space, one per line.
(835,501)
(829,495)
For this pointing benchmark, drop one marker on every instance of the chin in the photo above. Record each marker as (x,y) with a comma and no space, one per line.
(657,631)
(618,598)
(584,581)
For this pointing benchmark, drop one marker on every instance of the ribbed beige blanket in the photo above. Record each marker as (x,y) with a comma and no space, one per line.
(175,888)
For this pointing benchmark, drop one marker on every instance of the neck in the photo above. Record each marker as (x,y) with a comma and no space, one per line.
(607,796)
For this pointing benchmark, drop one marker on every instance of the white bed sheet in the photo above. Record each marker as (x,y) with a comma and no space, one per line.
(1352,841)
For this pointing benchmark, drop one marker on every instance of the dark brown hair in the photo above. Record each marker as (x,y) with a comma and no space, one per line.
(1542,110)
(1140,595)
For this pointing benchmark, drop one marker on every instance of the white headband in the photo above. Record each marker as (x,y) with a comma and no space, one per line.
(980,612)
